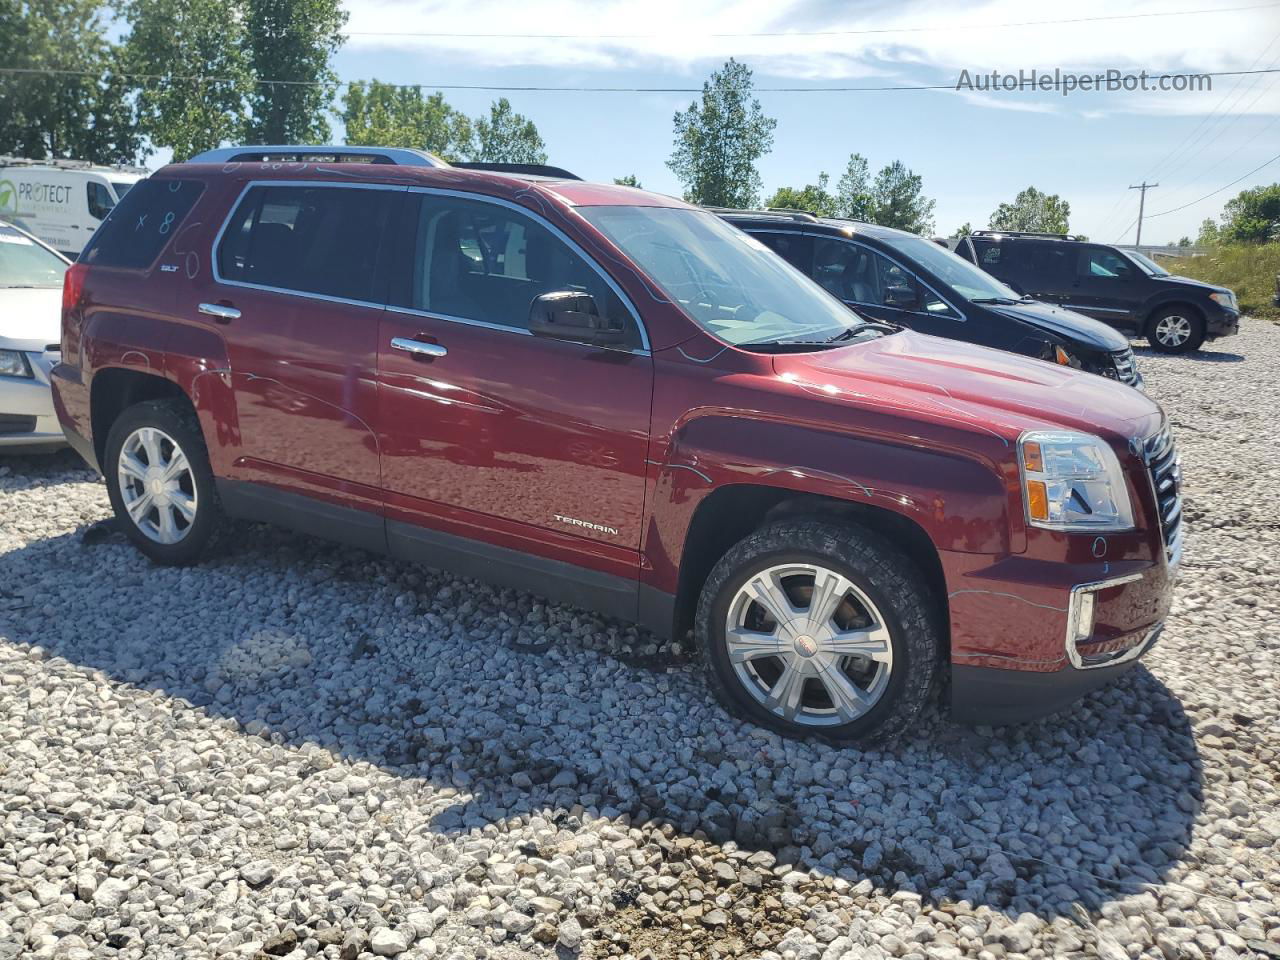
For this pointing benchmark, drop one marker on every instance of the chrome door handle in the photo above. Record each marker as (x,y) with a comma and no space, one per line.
(218,311)
(418,348)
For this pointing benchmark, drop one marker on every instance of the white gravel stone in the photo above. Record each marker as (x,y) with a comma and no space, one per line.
(303,745)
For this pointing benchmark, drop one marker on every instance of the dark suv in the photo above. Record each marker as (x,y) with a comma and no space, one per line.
(619,401)
(905,279)
(1123,288)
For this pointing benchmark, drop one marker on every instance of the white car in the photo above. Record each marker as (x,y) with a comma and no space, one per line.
(30,328)
(61,201)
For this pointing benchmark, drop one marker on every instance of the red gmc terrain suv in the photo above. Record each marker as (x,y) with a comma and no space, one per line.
(618,401)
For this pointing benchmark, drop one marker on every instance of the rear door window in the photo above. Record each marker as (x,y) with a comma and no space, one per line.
(486,262)
(140,226)
(794,248)
(318,240)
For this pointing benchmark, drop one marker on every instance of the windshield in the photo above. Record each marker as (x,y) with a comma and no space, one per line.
(24,263)
(121,187)
(1146,264)
(729,283)
(960,275)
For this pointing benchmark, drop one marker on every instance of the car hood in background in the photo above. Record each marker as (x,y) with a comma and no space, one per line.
(1197,284)
(1065,323)
(30,317)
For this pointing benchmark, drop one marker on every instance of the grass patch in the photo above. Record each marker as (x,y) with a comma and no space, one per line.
(1249,270)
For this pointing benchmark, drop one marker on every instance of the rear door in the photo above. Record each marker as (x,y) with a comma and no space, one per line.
(530,443)
(297,295)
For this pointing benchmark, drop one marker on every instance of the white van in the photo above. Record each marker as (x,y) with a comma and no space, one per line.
(61,201)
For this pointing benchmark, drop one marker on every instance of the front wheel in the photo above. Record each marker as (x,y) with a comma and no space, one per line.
(818,629)
(1175,330)
(160,483)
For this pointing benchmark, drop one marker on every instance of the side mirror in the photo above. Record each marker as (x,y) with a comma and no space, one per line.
(903,298)
(574,316)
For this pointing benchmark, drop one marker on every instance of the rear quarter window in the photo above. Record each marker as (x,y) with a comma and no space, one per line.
(141,225)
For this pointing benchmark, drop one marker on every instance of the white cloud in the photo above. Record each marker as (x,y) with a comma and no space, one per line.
(692,32)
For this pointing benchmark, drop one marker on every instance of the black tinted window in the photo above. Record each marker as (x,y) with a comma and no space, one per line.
(141,224)
(323,240)
(794,248)
(1101,262)
(481,261)
(1052,263)
(100,200)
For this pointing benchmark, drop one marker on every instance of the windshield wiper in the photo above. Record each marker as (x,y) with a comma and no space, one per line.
(992,300)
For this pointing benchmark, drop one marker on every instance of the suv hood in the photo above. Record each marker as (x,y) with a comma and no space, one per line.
(1067,324)
(1188,282)
(919,375)
(30,317)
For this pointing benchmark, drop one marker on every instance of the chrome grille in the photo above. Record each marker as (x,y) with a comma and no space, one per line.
(1126,368)
(1165,467)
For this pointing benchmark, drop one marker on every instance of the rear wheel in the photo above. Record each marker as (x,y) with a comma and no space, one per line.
(1175,330)
(813,629)
(160,483)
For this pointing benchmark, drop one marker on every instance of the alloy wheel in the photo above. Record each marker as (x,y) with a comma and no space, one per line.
(1173,330)
(157,486)
(808,644)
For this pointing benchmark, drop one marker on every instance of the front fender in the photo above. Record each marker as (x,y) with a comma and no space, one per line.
(963,504)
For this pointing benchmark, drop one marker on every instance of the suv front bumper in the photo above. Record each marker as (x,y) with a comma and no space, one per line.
(1032,644)
(1221,322)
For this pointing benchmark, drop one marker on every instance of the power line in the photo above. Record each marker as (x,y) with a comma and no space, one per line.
(523,88)
(1216,192)
(444,35)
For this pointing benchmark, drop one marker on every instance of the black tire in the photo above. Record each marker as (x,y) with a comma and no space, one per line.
(177,420)
(1164,334)
(895,586)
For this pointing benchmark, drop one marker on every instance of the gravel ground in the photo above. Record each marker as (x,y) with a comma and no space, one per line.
(301,750)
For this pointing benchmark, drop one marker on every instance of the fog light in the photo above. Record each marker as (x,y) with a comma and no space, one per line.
(1083,620)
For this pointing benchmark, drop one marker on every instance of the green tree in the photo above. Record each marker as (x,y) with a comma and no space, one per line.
(1034,212)
(292,40)
(1209,235)
(961,231)
(1252,216)
(813,198)
(628,181)
(1183,242)
(853,190)
(87,116)
(382,114)
(898,200)
(198,53)
(507,137)
(719,139)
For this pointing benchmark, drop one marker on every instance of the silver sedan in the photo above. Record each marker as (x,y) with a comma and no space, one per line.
(30,327)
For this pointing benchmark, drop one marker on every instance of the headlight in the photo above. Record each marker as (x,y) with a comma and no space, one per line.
(14,364)
(1073,481)
(1227,300)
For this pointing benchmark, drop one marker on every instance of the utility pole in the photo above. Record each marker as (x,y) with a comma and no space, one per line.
(1142,202)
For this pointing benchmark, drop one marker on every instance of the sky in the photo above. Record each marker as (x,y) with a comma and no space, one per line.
(973,149)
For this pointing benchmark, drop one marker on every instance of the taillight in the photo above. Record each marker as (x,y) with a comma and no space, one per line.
(73,286)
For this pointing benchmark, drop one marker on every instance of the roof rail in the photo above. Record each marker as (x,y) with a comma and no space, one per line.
(525,169)
(63,163)
(1022,233)
(291,153)
(782,212)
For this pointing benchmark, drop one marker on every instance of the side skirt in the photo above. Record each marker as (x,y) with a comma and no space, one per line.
(561,582)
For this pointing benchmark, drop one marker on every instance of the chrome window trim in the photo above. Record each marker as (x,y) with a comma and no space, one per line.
(484,324)
(1081,306)
(645,348)
(960,315)
(217,240)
